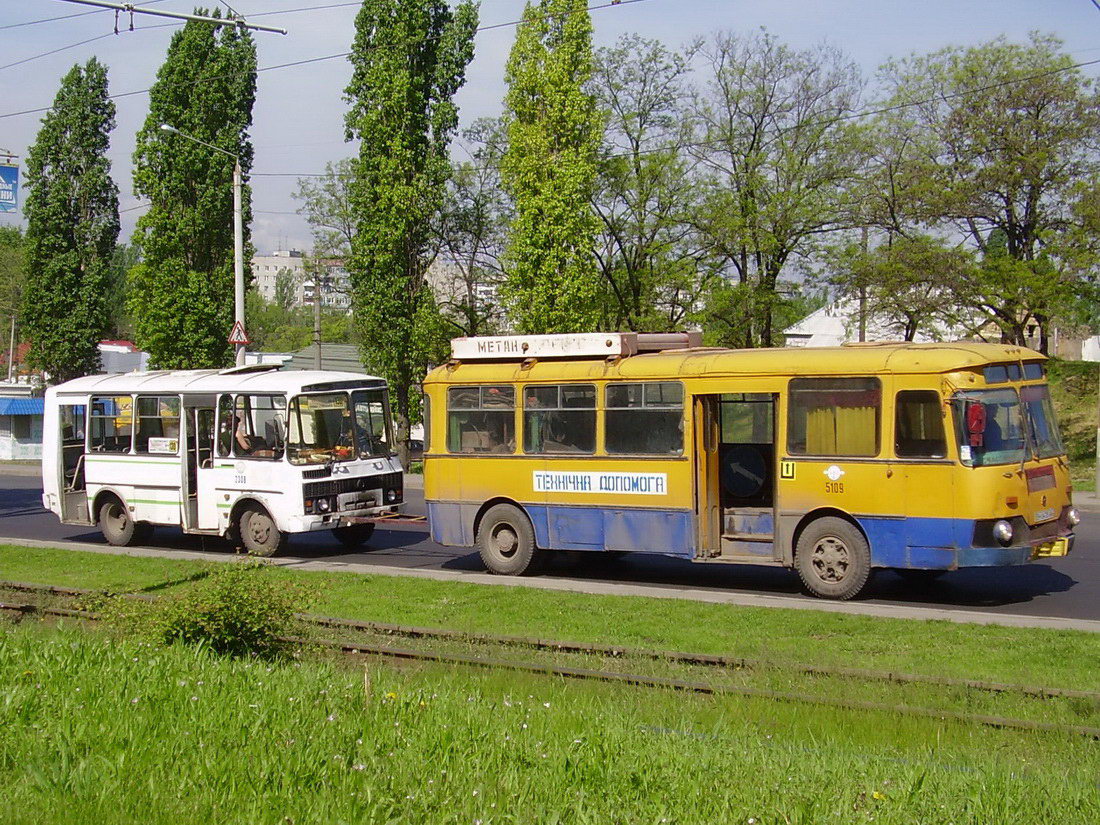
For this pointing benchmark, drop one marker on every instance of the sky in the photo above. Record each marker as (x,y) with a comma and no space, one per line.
(298,117)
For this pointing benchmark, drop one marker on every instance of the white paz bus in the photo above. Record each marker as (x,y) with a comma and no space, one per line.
(251,453)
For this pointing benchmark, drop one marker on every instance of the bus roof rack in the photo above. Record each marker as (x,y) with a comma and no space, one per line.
(570,345)
(247,368)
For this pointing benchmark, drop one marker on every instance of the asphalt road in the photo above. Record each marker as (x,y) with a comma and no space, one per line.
(1065,588)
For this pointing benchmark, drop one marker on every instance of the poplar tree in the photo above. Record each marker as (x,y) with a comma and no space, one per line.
(72,227)
(409,58)
(181,295)
(549,169)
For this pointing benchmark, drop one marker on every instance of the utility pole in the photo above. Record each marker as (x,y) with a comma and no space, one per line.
(863,296)
(317,311)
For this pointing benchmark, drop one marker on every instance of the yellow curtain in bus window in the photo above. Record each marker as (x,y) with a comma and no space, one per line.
(842,431)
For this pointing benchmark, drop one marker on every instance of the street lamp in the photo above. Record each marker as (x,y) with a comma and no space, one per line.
(238,239)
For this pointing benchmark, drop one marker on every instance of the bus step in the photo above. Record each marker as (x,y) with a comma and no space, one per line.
(763,537)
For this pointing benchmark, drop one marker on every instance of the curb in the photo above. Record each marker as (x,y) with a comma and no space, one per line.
(605,588)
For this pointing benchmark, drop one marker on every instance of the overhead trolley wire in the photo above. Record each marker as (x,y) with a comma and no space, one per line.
(305,61)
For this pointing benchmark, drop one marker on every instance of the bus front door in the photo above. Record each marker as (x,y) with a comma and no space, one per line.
(74,492)
(201,509)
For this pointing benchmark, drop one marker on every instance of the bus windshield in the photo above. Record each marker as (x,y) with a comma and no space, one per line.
(1042,425)
(330,427)
(1001,439)
(372,423)
(1012,427)
(320,429)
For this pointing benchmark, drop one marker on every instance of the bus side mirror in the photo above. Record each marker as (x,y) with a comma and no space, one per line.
(975,422)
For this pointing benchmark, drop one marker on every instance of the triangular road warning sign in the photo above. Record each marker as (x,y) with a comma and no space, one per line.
(238,335)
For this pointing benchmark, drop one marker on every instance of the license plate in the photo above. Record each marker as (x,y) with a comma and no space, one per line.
(1044,515)
(1058,547)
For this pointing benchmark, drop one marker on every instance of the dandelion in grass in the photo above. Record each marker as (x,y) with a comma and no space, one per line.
(331,717)
(358,766)
(391,695)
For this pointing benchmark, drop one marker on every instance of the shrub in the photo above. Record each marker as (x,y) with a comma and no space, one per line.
(239,609)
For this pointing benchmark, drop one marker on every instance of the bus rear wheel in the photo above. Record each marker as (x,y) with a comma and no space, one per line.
(506,541)
(833,559)
(354,535)
(117,525)
(259,533)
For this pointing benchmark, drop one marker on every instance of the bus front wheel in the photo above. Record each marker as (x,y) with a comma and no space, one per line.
(833,558)
(506,541)
(259,533)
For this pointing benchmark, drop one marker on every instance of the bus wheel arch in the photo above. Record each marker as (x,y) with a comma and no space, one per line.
(490,504)
(252,525)
(505,538)
(832,554)
(116,522)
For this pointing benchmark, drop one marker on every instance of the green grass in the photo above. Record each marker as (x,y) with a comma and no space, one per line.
(1073,389)
(93,729)
(1082,474)
(1067,659)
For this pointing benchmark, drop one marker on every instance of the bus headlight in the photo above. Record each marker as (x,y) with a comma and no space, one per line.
(391,496)
(323,505)
(1073,516)
(1002,531)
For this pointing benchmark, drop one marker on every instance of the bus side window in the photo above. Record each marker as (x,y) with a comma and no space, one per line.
(481,419)
(158,421)
(259,430)
(645,419)
(225,426)
(834,416)
(919,431)
(111,424)
(559,419)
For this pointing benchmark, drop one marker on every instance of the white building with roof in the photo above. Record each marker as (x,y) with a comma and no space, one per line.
(838,323)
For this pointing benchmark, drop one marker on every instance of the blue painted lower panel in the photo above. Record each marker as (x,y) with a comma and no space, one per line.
(669,532)
(933,544)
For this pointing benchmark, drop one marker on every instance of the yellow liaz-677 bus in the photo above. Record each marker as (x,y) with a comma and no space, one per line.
(922,458)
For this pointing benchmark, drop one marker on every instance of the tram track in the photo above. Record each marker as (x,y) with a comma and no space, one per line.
(621,652)
(358,649)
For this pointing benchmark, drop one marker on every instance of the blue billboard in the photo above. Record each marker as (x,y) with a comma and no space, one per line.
(9,187)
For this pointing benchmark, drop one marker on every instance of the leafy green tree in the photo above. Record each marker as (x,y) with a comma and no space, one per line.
(1005,167)
(181,295)
(649,256)
(13,270)
(286,288)
(72,227)
(13,276)
(911,284)
(776,158)
(549,169)
(126,257)
(408,59)
(472,231)
(326,205)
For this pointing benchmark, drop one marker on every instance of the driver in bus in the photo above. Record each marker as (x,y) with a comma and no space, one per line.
(248,444)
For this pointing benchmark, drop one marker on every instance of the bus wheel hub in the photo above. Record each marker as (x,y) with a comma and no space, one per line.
(830,560)
(505,540)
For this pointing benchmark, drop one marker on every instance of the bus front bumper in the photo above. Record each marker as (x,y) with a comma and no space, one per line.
(330,521)
(1006,556)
